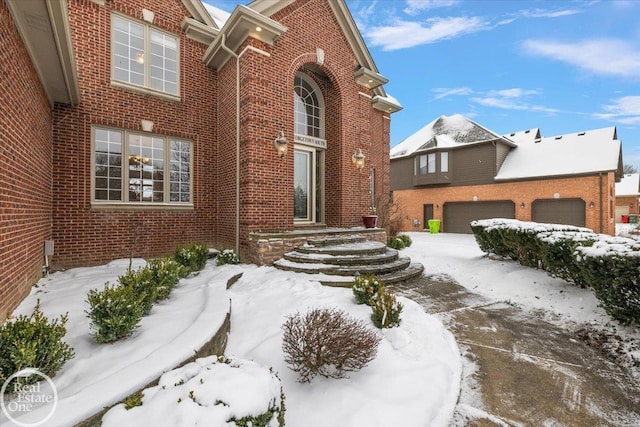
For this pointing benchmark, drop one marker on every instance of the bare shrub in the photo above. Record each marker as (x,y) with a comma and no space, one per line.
(389,213)
(327,342)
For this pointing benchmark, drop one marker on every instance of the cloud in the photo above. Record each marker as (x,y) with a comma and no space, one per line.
(544,13)
(625,110)
(416,6)
(601,56)
(443,92)
(404,34)
(512,99)
(513,93)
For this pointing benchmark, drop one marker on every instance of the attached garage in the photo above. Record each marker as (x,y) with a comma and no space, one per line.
(458,215)
(559,211)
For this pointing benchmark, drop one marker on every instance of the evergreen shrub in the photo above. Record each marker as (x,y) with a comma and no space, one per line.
(165,274)
(115,312)
(193,256)
(33,342)
(386,309)
(405,239)
(227,256)
(365,287)
(395,243)
(143,284)
(327,342)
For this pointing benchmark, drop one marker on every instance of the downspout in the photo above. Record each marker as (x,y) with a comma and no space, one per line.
(601,198)
(237,57)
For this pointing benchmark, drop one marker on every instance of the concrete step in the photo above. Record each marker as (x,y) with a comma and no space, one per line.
(339,270)
(335,240)
(412,272)
(358,248)
(388,256)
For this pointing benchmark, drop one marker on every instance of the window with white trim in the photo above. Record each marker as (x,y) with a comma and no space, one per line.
(156,169)
(144,56)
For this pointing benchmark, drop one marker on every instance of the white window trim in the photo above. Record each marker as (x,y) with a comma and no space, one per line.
(124,203)
(145,89)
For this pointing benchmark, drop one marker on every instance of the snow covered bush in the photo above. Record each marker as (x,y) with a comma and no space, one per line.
(386,309)
(611,267)
(193,256)
(395,243)
(32,342)
(143,284)
(212,391)
(558,253)
(227,256)
(115,312)
(365,287)
(405,239)
(165,274)
(327,342)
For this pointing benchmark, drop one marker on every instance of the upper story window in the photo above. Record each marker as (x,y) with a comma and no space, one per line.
(144,56)
(426,163)
(130,167)
(307,108)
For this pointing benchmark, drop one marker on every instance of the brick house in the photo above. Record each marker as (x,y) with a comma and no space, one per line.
(130,127)
(456,171)
(627,195)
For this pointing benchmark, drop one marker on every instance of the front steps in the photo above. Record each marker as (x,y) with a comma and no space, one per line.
(337,260)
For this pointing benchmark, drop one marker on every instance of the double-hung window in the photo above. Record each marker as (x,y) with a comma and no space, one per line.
(143,56)
(137,168)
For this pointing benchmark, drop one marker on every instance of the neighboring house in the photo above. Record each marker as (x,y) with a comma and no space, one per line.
(129,128)
(457,171)
(627,195)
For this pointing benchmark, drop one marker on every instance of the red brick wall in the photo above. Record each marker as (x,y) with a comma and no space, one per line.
(267,108)
(86,235)
(630,202)
(586,188)
(25,168)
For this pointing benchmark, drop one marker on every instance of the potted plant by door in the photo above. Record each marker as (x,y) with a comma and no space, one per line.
(371,220)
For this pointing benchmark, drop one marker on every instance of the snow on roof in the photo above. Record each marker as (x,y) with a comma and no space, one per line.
(448,130)
(629,185)
(528,135)
(583,152)
(219,16)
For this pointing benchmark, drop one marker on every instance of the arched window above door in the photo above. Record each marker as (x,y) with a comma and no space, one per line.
(308,107)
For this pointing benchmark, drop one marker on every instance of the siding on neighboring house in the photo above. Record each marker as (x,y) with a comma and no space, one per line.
(25,168)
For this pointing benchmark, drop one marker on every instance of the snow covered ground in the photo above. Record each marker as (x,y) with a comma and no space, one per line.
(414,381)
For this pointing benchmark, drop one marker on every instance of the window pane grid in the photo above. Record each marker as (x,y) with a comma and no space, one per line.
(147,167)
(108,165)
(307,112)
(144,57)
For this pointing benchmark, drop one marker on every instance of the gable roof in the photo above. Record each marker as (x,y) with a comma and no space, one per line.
(445,131)
(629,185)
(577,153)
(349,29)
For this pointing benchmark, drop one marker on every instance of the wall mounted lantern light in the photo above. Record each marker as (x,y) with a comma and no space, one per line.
(592,204)
(522,205)
(358,159)
(280,144)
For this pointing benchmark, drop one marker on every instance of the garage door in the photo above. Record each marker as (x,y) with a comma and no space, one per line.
(559,211)
(458,215)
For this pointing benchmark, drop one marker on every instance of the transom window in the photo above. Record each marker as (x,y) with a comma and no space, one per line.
(307,108)
(131,167)
(144,56)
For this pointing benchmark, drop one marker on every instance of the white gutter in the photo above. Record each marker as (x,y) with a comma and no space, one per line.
(238,56)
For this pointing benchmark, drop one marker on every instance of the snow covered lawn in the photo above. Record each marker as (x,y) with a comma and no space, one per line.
(414,380)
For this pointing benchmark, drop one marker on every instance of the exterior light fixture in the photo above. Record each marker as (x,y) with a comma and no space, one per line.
(358,159)
(280,145)
(592,204)
(258,29)
(522,205)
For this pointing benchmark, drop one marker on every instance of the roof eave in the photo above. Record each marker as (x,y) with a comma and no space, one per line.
(45,31)
(199,12)
(198,31)
(384,104)
(269,7)
(242,24)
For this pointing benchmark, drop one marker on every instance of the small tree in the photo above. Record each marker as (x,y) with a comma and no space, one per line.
(327,342)
(629,169)
(389,213)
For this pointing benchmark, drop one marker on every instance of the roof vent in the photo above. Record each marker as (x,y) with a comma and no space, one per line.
(513,134)
(537,140)
(527,131)
(581,133)
(558,137)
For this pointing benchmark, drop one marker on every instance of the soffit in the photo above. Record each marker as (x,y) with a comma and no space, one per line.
(44,28)
(242,24)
